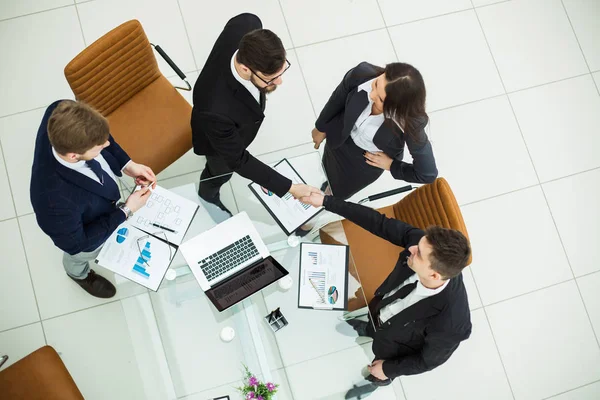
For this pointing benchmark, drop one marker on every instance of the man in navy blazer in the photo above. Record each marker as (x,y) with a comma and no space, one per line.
(74,189)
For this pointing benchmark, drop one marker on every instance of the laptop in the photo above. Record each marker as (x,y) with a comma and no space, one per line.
(231,262)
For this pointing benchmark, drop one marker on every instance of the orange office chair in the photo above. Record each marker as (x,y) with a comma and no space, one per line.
(39,376)
(374,258)
(118,75)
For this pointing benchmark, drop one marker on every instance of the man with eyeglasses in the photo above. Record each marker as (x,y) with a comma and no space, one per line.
(245,64)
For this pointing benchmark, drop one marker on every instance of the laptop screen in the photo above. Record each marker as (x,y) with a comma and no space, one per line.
(245,283)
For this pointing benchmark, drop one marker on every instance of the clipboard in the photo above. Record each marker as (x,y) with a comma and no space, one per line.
(332,291)
(262,193)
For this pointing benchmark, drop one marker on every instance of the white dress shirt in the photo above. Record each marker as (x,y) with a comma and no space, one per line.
(247,84)
(419,293)
(82,168)
(366,125)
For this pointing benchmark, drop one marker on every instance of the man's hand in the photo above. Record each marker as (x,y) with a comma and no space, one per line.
(315,199)
(138,199)
(376,369)
(379,159)
(143,175)
(318,137)
(302,190)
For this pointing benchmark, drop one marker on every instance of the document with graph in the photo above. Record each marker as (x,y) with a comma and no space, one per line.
(289,213)
(137,256)
(165,212)
(323,280)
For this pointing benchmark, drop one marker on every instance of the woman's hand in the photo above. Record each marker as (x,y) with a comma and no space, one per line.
(317,137)
(379,160)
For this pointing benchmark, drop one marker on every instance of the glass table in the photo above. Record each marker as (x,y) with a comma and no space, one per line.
(175,332)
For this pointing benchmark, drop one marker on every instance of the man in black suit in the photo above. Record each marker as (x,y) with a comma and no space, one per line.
(420,313)
(246,63)
(74,189)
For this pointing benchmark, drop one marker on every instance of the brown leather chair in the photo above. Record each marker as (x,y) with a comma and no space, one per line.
(373,258)
(41,375)
(118,75)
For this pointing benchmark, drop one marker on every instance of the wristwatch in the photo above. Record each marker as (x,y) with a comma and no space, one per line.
(126,210)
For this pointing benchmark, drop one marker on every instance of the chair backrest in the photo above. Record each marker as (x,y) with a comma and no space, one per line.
(114,68)
(432,204)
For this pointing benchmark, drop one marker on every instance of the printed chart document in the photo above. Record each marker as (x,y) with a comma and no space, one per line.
(137,256)
(323,281)
(289,213)
(165,212)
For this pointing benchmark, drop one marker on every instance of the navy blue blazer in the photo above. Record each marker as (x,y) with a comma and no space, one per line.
(70,207)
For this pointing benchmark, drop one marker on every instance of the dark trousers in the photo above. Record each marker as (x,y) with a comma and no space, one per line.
(347,170)
(216,173)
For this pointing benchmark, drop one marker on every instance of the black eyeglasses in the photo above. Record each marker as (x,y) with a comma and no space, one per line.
(269,83)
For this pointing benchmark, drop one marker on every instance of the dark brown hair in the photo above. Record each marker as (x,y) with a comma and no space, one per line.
(75,127)
(405,97)
(451,251)
(262,51)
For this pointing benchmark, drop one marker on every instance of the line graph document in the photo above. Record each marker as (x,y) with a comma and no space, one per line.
(323,282)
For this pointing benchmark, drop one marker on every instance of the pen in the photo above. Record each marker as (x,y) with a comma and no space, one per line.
(316,290)
(163,227)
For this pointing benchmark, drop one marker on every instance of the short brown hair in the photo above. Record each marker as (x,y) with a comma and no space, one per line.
(451,251)
(262,51)
(75,127)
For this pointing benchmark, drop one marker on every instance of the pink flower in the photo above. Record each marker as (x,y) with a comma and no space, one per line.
(260,398)
(250,396)
(270,387)
(253,381)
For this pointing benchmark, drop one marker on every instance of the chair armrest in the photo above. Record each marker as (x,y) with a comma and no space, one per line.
(3,359)
(172,64)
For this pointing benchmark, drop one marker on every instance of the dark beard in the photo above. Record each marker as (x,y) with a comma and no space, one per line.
(264,90)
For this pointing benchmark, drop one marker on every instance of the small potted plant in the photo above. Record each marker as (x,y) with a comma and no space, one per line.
(254,389)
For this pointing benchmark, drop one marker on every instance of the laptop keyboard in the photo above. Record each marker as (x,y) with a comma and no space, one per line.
(228,258)
(240,282)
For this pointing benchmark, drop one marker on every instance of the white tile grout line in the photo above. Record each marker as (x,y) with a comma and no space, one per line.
(570,390)
(188,37)
(36,12)
(80,26)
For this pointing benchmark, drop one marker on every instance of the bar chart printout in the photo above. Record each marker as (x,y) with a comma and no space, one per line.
(142,263)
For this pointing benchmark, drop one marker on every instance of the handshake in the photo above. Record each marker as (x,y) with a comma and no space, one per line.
(307,194)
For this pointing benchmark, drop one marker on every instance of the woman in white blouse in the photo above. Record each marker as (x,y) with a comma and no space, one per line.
(369,117)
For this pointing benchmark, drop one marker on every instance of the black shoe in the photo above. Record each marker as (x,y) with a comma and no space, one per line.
(360,392)
(302,232)
(216,201)
(96,285)
(359,326)
(378,382)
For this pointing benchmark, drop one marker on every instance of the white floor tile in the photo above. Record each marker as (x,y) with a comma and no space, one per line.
(7,208)
(596,76)
(402,11)
(514,234)
(313,21)
(574,205)
(331,376)
(588,286)
(472,292)
(19,307)
(18,133)
(161,20)
(373,47)
(289,116)
(452,56)
(588,392)
(56,293)
(546,342)
(191,77)
(96,348)
(480,151)
(479,3)
(20,342)
(546,49)
(205,27)
(473,372)
(11,9)
(187,164)
(54,37)
(544,116)
(584,16)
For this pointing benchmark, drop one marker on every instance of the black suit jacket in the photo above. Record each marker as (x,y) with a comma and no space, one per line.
(345,106)
(69,207)
(225,116)
(424,335)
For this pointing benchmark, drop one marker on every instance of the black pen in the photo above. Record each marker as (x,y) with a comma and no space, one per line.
(163,227)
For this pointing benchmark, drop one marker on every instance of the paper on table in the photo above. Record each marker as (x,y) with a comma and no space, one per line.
(323,276)
(122,255)
(169,211)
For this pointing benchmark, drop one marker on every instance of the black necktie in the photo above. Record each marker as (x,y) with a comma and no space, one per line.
(109,184)
(400,294)
(263,101)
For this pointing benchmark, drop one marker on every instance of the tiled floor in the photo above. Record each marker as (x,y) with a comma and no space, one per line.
(515,124)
